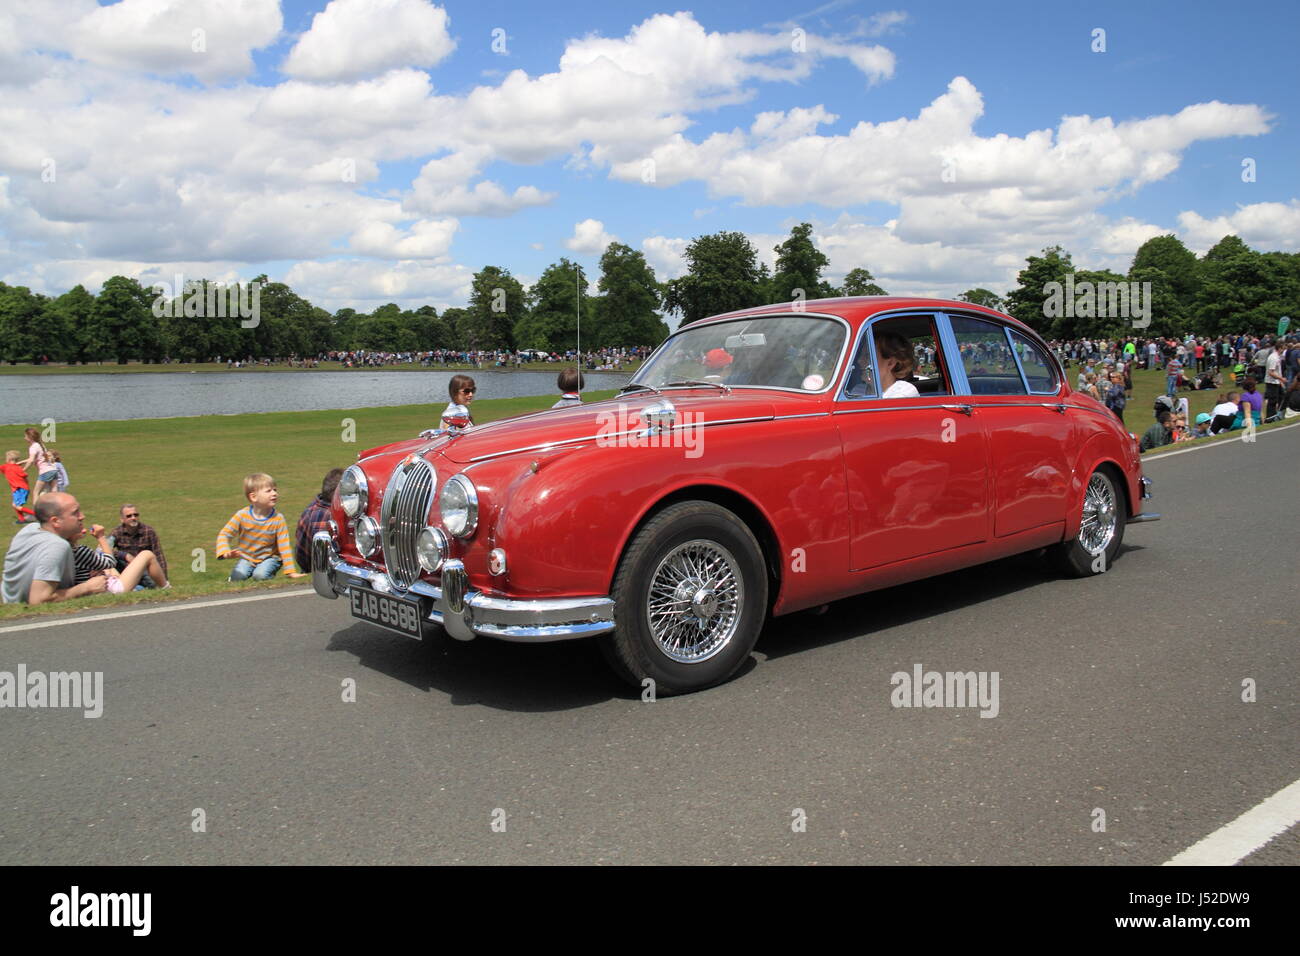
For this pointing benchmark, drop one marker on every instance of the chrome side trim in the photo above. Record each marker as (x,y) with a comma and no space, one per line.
(893,408)
(531,621)
(628,431)
(1144,517)
(786,418)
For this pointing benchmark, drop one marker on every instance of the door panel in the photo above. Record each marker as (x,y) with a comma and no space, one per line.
(1029,447)
(917,477)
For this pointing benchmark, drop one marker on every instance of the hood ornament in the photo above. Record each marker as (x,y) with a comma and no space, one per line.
(659,416)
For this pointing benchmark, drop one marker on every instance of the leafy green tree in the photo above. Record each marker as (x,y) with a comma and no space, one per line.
(799,266)
(495,305)
(456,321)
(552,321)
(860,282)
(722,276)
(1168,314)
(69,315)
(1026,301)
(981,296)
(122,323)
(1242,290)
(21,313)
(628,309)
(1177,262)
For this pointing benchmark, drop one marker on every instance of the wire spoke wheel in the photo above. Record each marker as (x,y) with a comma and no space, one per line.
(694,601)
(1097,529)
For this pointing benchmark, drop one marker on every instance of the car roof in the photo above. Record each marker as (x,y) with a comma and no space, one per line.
(859,308)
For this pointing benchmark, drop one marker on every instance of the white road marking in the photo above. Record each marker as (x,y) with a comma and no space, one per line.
(1225,443)
(1243,836)
(187,606)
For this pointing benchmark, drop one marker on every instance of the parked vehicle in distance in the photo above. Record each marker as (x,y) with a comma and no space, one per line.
(759,463)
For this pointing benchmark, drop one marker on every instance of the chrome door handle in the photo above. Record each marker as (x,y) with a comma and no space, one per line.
(964,409)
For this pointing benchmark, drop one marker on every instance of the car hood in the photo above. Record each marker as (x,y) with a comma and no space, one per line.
(558,426)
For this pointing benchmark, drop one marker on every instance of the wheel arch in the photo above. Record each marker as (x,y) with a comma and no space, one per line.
(743,507)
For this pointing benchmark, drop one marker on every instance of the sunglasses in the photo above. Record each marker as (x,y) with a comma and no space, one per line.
(134,514)
(470,390)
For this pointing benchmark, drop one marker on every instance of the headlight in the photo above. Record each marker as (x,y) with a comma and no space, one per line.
(431,549)
(367,535)
(353,491)
(459,505)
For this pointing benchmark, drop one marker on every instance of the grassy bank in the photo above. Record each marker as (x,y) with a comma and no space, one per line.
(186,475)
(112,368)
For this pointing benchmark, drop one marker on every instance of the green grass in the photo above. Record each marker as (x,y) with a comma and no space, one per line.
(186,476)
(112,368)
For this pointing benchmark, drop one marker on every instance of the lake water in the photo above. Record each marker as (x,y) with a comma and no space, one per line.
(27,399)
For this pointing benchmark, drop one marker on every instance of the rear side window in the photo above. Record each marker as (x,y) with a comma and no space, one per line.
(990,364)
(1038,368)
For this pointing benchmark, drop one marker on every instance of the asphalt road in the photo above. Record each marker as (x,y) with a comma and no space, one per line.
(1120,693)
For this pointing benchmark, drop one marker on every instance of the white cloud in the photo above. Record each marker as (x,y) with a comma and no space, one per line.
(351,39)
(666,256)
(365,284)
(1264,225)
(209,39)
(427,239)
(589,238)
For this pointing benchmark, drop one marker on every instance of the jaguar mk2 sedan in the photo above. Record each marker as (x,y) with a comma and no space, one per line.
(760,463)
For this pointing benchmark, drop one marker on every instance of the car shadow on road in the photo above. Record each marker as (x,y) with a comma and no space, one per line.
(904,604)
(569,674)
(517,677)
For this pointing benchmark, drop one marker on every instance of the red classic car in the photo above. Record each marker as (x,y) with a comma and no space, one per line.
(759,463)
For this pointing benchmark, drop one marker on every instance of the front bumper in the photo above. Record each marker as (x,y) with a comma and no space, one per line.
(463,612)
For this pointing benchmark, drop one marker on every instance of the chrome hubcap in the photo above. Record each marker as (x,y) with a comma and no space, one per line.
(694,601)
(1100,516)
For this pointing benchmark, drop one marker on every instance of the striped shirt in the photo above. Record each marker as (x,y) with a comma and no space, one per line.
(257,538)
(86,561)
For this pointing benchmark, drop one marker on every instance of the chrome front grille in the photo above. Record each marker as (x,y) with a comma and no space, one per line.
(403,514)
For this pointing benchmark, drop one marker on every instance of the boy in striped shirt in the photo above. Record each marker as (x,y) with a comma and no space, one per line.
(257,537)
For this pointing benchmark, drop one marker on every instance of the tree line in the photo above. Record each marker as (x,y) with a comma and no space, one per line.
(1232,288)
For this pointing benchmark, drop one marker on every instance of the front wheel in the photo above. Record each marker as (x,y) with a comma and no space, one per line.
(1101,530)
(690,598)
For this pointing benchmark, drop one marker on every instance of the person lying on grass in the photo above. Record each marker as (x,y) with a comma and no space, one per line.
(38,567)
(257,537)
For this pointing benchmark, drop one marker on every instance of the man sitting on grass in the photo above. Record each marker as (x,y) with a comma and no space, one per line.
(257,537)
(39,567)
(133,536)
(1159,433)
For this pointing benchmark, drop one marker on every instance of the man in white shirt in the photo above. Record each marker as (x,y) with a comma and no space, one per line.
(1274,380)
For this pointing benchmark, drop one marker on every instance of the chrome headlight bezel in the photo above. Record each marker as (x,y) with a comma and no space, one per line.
(366,535)
(435,538)
(458,506)
(354,491)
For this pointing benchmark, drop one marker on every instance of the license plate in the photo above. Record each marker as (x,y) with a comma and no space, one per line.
(400,616)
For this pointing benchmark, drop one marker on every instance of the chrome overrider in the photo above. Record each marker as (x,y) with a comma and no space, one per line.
(463,612)
(1147,494)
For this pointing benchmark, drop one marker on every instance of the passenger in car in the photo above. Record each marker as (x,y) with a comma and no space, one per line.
(897,362)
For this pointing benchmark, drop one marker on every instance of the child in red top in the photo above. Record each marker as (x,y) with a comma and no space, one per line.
(18,484)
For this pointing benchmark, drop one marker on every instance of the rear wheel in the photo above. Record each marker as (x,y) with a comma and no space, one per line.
(1101,530)
(690,598)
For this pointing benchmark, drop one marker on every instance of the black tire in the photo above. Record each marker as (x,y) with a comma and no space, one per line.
(1081,556)
(685,534)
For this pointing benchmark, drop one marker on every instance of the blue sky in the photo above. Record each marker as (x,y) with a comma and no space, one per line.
(997,92)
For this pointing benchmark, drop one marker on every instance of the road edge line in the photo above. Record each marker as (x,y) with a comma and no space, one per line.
(1237,840)
(178,606)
